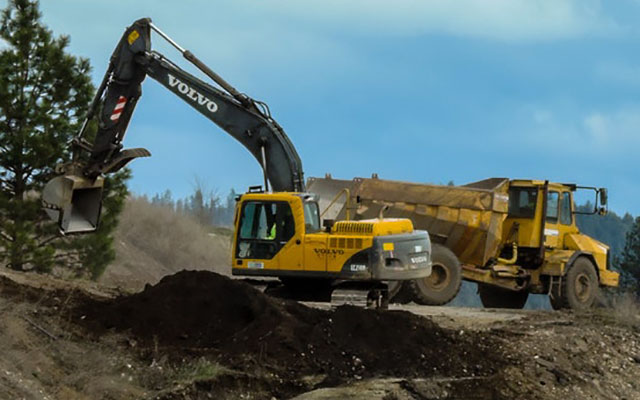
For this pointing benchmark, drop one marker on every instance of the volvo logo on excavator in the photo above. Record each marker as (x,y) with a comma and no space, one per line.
(192,94)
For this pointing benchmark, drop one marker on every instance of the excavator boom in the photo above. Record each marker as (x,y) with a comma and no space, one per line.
(74,198)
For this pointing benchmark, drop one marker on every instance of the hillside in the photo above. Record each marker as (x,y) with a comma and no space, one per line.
(152,241)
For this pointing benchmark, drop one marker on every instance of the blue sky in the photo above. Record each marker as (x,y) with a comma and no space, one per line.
(424,91)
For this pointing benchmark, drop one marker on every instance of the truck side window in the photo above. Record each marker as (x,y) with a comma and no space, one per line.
(566,218)
(522,202)
(552,207)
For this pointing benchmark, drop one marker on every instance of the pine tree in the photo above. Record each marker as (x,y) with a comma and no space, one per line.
(44,95)
(629,262)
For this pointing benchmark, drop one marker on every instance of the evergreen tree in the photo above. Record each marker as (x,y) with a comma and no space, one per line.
(610,229)
(44,96)
(164,199)
(629,262)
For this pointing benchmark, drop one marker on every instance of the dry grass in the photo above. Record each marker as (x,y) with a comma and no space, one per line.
(626,309)
(153,241)
(198,370)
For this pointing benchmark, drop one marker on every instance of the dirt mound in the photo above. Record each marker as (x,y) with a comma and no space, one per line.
(209,312)
(162,346)
(188,309)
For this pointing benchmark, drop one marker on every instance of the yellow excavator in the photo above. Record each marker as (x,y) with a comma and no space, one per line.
(277,234)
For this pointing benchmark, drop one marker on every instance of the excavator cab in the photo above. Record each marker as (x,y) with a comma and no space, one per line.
(265,226)
(279,234)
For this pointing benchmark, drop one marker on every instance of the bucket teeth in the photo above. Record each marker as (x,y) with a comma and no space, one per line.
(123,158)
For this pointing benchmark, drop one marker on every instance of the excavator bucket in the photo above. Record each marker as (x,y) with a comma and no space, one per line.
(74,202)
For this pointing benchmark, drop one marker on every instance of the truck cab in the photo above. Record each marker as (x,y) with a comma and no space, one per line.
(541,222)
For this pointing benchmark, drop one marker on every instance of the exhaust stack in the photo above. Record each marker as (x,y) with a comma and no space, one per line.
(74,202)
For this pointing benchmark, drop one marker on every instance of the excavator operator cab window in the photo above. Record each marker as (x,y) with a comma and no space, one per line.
(522,202)
(265,226)
(311,217)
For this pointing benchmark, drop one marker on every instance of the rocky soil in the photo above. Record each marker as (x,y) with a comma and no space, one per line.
(200,335)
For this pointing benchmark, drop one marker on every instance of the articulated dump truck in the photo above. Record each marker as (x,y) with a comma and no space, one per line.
(512,237)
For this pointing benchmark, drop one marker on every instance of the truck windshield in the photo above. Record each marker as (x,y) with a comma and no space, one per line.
(522,202)
(311,217)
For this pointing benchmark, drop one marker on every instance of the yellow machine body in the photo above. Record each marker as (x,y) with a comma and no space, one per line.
(279,234)
(562,240)
(482,225)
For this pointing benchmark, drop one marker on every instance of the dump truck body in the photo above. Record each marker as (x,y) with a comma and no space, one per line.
(515,235)
(468,220)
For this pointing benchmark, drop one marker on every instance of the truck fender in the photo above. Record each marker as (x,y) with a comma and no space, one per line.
(580,253)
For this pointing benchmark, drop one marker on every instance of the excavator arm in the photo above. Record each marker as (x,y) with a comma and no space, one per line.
(74,198)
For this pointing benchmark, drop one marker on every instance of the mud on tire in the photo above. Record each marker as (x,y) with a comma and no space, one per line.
(580,287)
(444,282)
(496,297)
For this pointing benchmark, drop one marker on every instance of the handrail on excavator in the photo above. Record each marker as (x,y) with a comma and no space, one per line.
(335,198)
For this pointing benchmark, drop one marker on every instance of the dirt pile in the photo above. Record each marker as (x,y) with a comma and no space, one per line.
(198,335)
(203,311)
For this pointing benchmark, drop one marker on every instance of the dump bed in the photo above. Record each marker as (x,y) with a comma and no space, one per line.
(467,219)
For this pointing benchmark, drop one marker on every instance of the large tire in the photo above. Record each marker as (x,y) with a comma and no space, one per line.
(444,282)
(580,287)
(496,297)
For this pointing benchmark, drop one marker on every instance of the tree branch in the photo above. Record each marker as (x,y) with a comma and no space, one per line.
(44,242)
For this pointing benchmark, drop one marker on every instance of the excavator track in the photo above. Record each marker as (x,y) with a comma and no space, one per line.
(358,294)
(373,298)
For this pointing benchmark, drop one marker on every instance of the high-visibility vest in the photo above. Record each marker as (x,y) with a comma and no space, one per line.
(272,232)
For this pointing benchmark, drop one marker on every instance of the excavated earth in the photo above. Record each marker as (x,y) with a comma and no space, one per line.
(200,312)
(200,335)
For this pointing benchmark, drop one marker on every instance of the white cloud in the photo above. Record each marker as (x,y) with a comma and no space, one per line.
(618,130)
(3,44)
(296,27)
(598,128)
(619,73)
(507,20)
(542,116)
(236,38)
(614,132)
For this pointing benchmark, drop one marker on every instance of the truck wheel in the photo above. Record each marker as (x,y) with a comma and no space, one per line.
(444,282)
(496,297)
(579,288)
(398,292)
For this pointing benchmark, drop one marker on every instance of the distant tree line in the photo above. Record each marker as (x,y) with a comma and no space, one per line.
(206,207)
(610,229)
